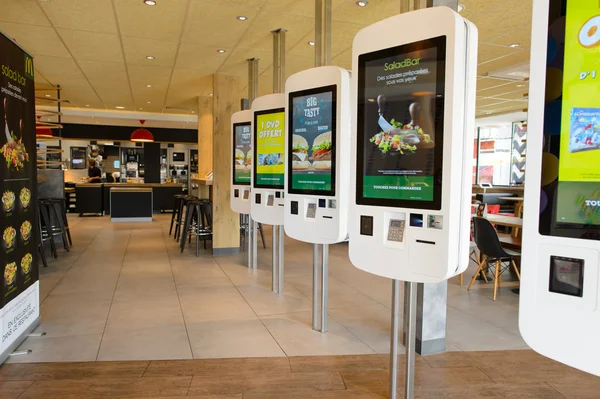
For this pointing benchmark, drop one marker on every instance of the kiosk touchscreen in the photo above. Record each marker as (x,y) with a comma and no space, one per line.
(558,305)
(241,158)
(414,98)
(268,146)
(318,155)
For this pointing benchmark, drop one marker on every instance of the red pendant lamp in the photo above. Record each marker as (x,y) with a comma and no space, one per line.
(42,132)
(142,135)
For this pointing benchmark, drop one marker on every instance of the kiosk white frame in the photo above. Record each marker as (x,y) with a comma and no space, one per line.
(561,326)
(241,193)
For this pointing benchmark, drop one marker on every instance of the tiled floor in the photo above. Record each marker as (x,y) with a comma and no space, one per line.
(126,293)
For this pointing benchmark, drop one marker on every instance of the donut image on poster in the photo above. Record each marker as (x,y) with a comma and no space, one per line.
(589,34)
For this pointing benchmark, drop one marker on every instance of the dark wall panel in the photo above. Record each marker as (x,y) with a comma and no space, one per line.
(123,133)
(151,162)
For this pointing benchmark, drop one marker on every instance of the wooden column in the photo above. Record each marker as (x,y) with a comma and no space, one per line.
(205,142)
(226,223)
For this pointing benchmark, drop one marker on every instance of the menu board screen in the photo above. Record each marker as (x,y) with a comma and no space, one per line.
(269,165)
(578,194)
(242,153)
(400,125)
(311,144)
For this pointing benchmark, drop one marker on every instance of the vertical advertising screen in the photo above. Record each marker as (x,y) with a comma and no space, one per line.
(269,148)
(578,195)
(242,153)
(400,125)
(312,141)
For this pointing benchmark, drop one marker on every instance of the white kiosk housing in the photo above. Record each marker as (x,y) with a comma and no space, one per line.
(414,96)
(317,142)
(558,308)
(268,170)
(241,156)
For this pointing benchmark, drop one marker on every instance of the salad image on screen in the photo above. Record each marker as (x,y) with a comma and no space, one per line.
(400,125)
(585,129)
(312,144)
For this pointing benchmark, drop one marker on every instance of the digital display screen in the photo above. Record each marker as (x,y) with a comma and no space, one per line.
(178,157)
(242,153)
(311,144)
(578,198)
(269,149)
(400,125)
(570,199)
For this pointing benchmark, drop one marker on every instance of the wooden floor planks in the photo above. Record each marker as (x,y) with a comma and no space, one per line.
(453,375)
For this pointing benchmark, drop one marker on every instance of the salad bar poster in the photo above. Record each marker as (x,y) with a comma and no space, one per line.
(312,143)
(242,153)
(270,145)
(398,128)
(18,220)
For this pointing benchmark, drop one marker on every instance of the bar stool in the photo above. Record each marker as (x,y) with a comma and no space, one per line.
(177,208)
(180,220)
(54,209)
(198,222)
(44,227)
(244,227)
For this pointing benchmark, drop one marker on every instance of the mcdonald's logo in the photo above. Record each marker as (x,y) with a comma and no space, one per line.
(28,66)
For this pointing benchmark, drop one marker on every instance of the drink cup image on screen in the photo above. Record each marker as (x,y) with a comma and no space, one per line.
(398,125)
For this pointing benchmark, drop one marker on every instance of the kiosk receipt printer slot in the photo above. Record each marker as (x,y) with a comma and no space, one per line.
(241,156)
(268,168)
(318,155)
(558,305)
(414,96)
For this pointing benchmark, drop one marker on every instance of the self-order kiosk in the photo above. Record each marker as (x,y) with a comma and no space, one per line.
(558,306)
(318,155)
(414,97)
(268,146)
(241,155)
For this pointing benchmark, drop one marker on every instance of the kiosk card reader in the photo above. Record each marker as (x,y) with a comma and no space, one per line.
(414,96)
(241,156)
(318,155)
(268,146)
(558,307)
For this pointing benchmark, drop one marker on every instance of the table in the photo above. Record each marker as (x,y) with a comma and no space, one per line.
(509,221)
(518,207)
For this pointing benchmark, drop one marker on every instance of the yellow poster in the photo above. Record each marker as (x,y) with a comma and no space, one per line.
(580,130)
(270,149)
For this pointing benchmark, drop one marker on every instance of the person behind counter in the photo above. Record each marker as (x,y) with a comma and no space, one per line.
(94,174)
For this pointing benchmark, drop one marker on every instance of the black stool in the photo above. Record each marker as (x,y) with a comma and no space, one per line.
(180,220)
(45,227)
(177,208)
(55,212)
(198,222)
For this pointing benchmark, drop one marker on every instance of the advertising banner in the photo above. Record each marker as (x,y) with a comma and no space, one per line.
(579,161)
(312,142)
(397,124)
(270,146)
(18,221)
(242,153)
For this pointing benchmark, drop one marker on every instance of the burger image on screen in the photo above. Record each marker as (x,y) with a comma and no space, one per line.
(299,153)
(239,159)
(248,162)
(321,151)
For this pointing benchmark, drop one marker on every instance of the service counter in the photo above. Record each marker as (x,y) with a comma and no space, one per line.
(94,198)
(130,204)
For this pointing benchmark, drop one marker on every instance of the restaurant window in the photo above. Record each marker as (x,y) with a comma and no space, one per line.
(499,154)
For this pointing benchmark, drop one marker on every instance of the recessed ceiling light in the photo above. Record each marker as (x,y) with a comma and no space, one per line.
(242,18)
(488,112)
(521,85)
(149,102)
(141,109)
(362,3)
(150,2)
(87,105)
(97,122)
(311,43)
(193,112)
(210,94)
(148,85)
(120,107)
(93,117)
(221,50)
(461,8)
(47,95)
(514,45)
(149,57)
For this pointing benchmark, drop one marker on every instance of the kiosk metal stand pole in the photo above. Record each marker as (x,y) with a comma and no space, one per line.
(252,238)
(394,339)
(278,83)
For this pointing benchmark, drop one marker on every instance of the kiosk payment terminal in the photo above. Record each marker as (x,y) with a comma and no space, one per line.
(241,156)
(414,96)
(317,142)
(558,305)
(268,146)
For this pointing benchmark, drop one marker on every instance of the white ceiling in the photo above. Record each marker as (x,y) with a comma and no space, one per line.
(96,49)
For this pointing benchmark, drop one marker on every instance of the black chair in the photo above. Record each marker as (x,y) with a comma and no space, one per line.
(198,222)
(494,256)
